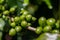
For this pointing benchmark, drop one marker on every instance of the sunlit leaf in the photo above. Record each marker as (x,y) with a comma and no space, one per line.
(2,23)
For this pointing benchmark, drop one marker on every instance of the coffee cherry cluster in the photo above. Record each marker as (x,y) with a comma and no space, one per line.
(48,25)
(16,23)
(25,19)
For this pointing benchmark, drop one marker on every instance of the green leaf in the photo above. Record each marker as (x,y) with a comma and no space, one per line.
(2,23)
(12,2)
(42,37)
(20,5)
(48,3)
(58,38)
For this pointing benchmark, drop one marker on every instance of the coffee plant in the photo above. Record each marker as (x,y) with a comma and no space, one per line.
(24,19)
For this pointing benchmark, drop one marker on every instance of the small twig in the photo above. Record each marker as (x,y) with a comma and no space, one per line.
(12,19)
(31,28)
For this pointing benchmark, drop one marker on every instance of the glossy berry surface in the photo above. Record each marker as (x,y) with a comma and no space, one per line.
(42,21)
(24,24)
(12,32)
(18,28)
(13,24)
(28,17)
(50,21)
(38,30)
(47,28)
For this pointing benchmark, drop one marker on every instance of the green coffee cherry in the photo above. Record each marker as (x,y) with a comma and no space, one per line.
(51,21)
(47,29)
(28,17)
(12,32)
(24,24)
(55,31)
(57,24)
(42,21)
(3,16)
(12,9)
(3,8)
(34,19)
(18,28)
(22,17)
(38,30)
(6,12)
(16,19)
(29,24)
(25,13)
(22,11)
(13,24)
